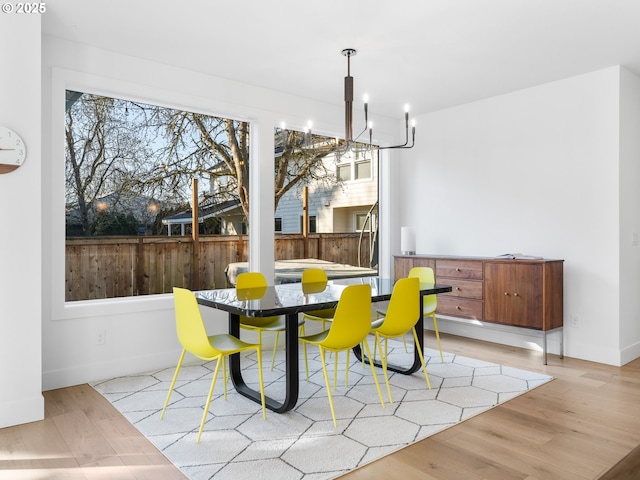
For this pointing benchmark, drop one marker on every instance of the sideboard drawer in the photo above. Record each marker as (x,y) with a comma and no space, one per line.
(459,307)
(469,269)
(464,288)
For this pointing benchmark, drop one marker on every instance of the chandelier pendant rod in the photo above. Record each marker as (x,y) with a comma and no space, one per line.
(348,97)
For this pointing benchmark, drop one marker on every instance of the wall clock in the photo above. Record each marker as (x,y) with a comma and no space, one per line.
(12,150)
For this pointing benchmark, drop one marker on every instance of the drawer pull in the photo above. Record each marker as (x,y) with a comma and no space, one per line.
(506,294)
(457,269)
(458,289)
(515,294)
(458,307)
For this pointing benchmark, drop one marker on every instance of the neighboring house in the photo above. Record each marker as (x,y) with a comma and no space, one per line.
(339,208)
(229,212)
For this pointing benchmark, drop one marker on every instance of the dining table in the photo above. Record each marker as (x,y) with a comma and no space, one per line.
(289,300)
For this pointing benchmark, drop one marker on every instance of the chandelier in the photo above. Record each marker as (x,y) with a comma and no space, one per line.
(349,140)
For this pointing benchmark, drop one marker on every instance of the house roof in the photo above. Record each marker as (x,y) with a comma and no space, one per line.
(204,213)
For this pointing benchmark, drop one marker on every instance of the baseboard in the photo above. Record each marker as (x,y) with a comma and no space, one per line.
(503,334)
(630,353)
(93,372)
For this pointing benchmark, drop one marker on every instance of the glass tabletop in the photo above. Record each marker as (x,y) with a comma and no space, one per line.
(294,298)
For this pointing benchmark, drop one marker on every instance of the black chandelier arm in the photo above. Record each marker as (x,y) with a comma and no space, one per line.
(406,142)
(360,134)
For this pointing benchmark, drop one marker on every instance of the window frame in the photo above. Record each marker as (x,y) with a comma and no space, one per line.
(62,80)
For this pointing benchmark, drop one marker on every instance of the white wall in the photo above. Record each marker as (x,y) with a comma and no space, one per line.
(629,215)
(20,236)
(536,171)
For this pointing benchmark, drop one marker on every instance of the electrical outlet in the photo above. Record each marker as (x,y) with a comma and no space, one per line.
(575,321)
(101,337)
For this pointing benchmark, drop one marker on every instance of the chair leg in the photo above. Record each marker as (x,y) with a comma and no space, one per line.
(383,359)
(275,348)
(346,374)
(326,380)
(261,380)
(435,327)
(206,407)
(424,367)
(306,361)
(375,375)
(224,375)
(304,348)
(173,382)
(335,371)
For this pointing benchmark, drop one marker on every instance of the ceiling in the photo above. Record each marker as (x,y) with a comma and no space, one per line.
(432,54)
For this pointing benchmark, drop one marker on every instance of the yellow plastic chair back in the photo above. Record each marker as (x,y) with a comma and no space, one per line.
(404,308)
(314,280)
(250,280)
(314,275)
(429,302)
(249,286)
(190,328)
(425,275)
(352,319)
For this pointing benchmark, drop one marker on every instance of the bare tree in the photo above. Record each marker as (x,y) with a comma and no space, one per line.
(219,148)
(104,153)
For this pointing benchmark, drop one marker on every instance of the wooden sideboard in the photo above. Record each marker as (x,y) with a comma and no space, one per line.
(524,293)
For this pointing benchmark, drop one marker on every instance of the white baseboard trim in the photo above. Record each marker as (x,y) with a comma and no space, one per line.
(496,333)
(94,372)
(630,353)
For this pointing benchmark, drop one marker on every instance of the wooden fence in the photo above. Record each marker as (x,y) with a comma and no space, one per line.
(108,267)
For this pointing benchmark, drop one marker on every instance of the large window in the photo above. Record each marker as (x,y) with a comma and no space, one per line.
(132,173)
(319,182)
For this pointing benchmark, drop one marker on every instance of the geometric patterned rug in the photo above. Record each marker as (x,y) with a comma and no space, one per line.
(237,444)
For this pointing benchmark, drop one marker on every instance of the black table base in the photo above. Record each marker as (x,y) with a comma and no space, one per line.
(291,359)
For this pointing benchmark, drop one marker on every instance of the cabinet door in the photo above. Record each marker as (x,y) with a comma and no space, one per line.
(513,294)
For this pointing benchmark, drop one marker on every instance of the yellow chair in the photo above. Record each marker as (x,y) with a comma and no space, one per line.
(429,302)
(253,280)
(193,337)
(350,326)
(315,280)
(401,317)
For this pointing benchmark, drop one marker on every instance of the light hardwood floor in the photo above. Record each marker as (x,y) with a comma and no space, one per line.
(579,426)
